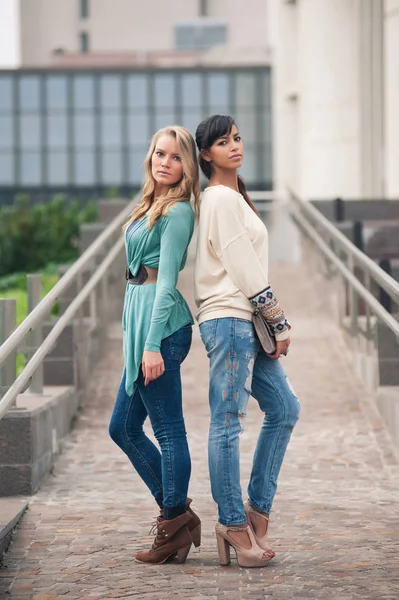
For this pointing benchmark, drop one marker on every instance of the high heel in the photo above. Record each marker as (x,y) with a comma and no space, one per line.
(196,536)
(173,538)
(194,525)
(246,557)
(223,550)
(261,540)
(182,554)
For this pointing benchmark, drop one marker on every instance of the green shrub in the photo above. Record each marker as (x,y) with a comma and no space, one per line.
(31,236)
(111,193)
(14,286)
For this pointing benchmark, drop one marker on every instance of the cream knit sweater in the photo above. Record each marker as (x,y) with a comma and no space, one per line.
(232,257)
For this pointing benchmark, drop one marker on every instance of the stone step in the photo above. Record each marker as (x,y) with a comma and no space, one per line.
(11,510)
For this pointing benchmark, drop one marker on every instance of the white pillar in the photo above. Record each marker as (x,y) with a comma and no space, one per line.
(328,103)
(391,89)
(329,153)
(371,107)
(283,37)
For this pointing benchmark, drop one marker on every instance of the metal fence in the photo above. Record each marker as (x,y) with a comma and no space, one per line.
(93,277)
(360,274)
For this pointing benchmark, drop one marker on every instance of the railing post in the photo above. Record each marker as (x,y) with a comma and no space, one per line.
(93,307)
(104,297)
(35,337)
(339,209)
(385,298)
(353,300)
(8,322)
(358,235)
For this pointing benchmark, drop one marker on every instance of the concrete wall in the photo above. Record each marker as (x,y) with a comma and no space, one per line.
(129,26)
(46,25)
(328,97)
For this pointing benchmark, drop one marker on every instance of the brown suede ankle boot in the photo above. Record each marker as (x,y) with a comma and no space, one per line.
(194,525)
(173,538)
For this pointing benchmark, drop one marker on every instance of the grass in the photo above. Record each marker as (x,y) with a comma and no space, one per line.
(17,290)
(21,296)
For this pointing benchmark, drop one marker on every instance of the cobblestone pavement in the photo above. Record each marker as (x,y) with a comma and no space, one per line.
(335,523)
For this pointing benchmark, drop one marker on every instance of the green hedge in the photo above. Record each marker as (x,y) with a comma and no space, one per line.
(32,236)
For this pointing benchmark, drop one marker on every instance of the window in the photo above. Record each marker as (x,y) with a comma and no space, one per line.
(110,130)
(191,87)
(57,168)
(137,92)
(111,168)
(92,127)
(31,168)
(6,131)
(83,92)
(30,131)
(136,161)
(6,95)
(245,90)
(6,168)
(164,92)
(110,92)
(56,91)
(218,88)
(83,162)
(84,41)
(138,129)
(57,131)
(203,8)
(83,130)
(84,9)
(201,34)
(29,93)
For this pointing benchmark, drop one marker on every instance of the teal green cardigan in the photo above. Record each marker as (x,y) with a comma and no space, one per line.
(154,311)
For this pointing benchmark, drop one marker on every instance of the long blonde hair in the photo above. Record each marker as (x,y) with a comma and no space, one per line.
(180,191)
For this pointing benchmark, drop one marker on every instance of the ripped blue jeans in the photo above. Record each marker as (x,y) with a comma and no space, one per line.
(239,367)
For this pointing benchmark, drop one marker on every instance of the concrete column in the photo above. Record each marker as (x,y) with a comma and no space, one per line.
(328,103)
(391,97)
(370,16)
(283,38)
(329,154)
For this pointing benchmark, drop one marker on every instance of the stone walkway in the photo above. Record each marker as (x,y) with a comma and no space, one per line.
(335,523)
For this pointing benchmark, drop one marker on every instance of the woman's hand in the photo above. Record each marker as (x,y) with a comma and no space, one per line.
(281,349)
(152,365)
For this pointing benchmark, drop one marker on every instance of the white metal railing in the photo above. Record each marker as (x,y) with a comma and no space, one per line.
(360,272)
(96,260)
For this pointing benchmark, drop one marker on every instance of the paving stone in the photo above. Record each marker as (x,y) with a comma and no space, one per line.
(334,525)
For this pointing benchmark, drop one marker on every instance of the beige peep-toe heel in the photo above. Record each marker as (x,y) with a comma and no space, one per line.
(246,557)
(254,518)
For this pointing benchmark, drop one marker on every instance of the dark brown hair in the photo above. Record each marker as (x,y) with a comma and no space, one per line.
(208,131)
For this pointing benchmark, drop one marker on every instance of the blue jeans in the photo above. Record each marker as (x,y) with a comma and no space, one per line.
(239,367)
(166,473)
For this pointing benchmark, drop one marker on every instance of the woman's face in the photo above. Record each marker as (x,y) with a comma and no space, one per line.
(227,152)
(166,165)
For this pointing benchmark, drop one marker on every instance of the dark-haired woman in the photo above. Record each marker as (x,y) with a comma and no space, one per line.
(231,280)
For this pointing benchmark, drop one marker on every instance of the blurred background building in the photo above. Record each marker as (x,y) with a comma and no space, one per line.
(97,79)
(141,33)
(336,97)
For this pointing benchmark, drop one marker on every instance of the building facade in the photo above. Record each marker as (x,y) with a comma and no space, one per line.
(50,29)
(88,130)
(336,97)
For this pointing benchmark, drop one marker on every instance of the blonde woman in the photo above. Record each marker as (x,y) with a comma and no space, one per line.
(157,330)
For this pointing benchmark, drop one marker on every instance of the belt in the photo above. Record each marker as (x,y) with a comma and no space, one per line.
(144,275)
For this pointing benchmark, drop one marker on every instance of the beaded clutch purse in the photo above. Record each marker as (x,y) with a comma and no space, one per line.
(264,332)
